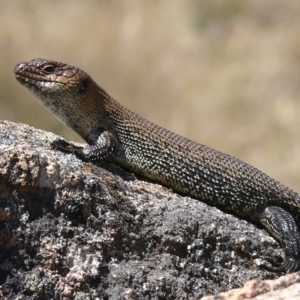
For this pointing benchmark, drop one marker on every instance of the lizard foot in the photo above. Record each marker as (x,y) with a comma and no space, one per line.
(289,265)
(64,146)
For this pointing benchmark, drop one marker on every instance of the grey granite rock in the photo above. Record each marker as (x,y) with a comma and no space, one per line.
(75,230)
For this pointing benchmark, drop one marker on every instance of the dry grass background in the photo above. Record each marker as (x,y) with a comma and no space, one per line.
(225,73)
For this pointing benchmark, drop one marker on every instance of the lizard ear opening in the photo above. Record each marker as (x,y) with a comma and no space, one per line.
(82,87)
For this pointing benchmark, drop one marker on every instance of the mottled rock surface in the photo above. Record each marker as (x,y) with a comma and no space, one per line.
(75,230)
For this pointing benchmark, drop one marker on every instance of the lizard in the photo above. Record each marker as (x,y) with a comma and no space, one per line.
(114,133)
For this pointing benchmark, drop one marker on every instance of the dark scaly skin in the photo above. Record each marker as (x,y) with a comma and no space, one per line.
(115,133)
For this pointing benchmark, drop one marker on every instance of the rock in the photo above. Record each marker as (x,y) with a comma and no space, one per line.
(76,230)
(286,287)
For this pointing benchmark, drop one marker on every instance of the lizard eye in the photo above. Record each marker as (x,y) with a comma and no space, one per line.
(83,86)
(49,69)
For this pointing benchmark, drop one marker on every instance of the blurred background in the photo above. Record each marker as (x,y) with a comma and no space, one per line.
(225,73)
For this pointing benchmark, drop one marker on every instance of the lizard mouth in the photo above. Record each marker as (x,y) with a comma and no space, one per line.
(30,80)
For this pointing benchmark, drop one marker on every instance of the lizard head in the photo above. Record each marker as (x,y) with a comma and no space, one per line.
(68,92)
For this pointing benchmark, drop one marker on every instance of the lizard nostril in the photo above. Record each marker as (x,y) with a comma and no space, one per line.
(20,67)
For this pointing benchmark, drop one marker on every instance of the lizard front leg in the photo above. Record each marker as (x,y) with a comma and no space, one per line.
(103,150)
